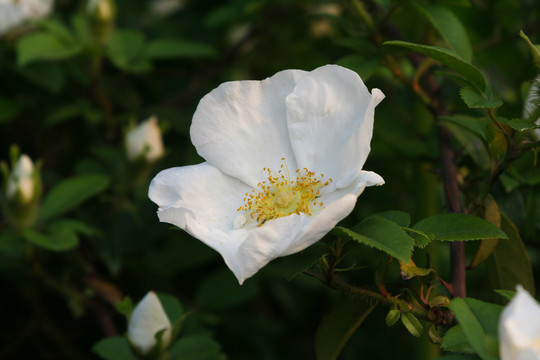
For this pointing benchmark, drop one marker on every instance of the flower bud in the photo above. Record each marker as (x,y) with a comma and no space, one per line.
(102,14)
(519,328)
(144,141)
(147,319)
(21,180)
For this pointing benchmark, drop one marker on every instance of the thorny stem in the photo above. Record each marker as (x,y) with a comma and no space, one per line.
(335,282)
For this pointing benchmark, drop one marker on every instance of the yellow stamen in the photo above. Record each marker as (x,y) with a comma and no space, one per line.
(281,196)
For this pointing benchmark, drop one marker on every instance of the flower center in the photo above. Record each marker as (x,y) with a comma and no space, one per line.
(280,195)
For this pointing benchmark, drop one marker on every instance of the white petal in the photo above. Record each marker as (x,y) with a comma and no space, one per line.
(519,328)
(22,179)
(240,127)
(146,320)
(203,201)
(330,121)
(145,140)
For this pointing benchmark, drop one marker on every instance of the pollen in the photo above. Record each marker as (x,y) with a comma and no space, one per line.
(282,194)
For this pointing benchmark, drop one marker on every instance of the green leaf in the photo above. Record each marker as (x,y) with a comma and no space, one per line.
(476,100)
(392,317)
(473,144)
(381,234)
(510,265)
(455,340)
(522,125)
(508,294)
(196,347)
(401,218)
(479,321)
(473,124)
(535,51)
(127,50)
(57,239)
(171,305)
(114,348)
(450,29)
(170,49)
(456,357)
(338,326)
(459,227)
(412,324)
(48,75)
(70,193)
(43,46)
(448,58)
(125,307)
(11,247)
(293,265)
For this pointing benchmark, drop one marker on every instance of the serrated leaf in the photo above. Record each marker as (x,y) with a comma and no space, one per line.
(381,234)
(412,324)
(43,45)
(474,100)
(392,317)
(459,227)
(450,29)
(338,326)
(448,58)
(401,218)
(70,193)
(114,348)
(410,270)
(293,265)
(510,265)
(457,357)
(479,321)
(522,124)
(172,49)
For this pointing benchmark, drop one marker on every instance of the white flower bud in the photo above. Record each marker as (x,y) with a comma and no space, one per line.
(145,141)
(21,179)
(15,12)
(147,319)
(519,328)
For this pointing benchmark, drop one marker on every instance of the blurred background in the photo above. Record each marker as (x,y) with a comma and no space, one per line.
(75,80)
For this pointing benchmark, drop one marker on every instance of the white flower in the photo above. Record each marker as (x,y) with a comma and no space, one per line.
(21,179)
(146,320)
(519,328)
(14,12)
(532,103)
(145,141)
(283,166)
